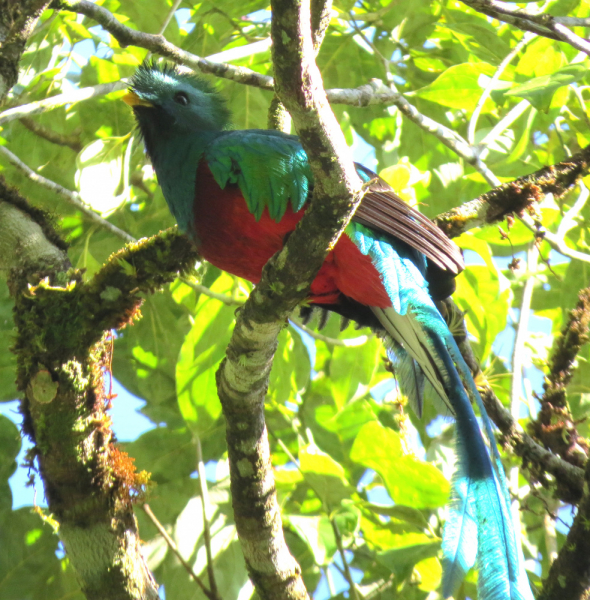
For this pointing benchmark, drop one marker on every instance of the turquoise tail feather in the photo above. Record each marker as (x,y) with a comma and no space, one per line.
(479,526)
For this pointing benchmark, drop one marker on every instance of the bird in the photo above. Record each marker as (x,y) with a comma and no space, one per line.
(238,194)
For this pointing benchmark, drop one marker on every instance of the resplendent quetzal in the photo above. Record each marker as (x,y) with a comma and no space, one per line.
(238,194)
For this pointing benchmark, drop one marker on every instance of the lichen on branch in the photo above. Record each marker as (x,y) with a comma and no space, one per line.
(63,347)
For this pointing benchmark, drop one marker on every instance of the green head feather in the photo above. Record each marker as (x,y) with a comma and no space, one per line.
(175,102)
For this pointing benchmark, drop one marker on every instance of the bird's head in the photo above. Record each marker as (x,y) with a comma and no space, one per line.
(167,102)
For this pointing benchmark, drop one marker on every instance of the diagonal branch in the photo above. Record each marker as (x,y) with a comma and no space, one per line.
(71,141)
(174,548)
(72,197)
(519,196)
(569,575)
(69,97)
(541,24)
(159,45)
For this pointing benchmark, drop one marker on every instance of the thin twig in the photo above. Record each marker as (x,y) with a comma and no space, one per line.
(239,52)
(176,551)
(573,21)
(169,16)
(491,83)
(553,240)
(206,529)
(569,218)
(70,97)
(347,574)
(518,368)
(201,289)
(570,37)
(521,334)
(71,141)
(498,129)
(72,197)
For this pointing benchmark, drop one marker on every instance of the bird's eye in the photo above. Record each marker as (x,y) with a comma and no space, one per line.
(181,98)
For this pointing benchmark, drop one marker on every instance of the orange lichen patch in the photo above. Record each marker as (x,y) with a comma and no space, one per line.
(131,486)
(130,316)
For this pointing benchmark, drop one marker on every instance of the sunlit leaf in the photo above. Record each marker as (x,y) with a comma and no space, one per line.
(409,480)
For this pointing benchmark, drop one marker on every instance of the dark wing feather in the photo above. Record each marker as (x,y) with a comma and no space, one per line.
(384,211)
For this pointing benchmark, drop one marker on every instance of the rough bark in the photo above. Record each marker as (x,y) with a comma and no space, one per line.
(17,21)
(569,576)
(554,425)
(243,376)
(518,196)
(63,347)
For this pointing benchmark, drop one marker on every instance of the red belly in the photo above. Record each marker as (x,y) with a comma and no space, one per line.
(232,239)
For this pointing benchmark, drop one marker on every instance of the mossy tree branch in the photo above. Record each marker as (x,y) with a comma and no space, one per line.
(63,349)
(567,480)
(518,196)
(17,21)
(569,575)
(554,426)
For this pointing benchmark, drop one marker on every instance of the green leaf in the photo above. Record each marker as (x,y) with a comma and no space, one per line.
(100,166)
(318,534)
(399,512)
(29,567)
(458,86)
(347,421)
(145,357)
(324,475)
(480,39)
(540,90)
(485,297)
(408,480)
(200,356)
(352,369)
(412,548)
(290,368)
(542,56)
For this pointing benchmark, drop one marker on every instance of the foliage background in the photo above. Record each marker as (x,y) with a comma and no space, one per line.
(360,478)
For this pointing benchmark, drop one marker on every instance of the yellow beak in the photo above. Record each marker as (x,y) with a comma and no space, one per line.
(132,99)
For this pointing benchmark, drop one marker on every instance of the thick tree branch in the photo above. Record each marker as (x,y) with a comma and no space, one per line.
(28,242)
(243,376)
(63,347)
(569,576)
(554,426)
(17,21)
